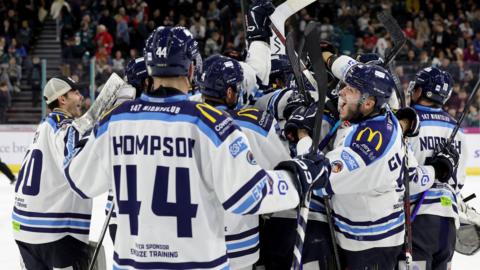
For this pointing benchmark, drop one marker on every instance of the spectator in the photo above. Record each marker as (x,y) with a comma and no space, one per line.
(410,31)
(469,54)
(87,34)
(4,101)
(118,64)
(107,21)
(122,40)
(103,39)
(14,73)
(213,44)
(24,35)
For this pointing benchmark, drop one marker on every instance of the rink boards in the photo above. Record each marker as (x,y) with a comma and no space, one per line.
(15,140)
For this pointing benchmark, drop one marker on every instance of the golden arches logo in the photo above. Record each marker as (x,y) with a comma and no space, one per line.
(371,135)
(245,113)
(203,107)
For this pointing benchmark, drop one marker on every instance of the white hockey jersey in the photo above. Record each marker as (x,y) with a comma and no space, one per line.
(436,126)
(174,166)
(261,130)
(366,184)
(45,208)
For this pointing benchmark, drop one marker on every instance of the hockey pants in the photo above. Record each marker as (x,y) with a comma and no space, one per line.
(433,242)
(66,253)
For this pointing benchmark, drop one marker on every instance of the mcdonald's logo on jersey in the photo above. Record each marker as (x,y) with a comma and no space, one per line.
(371,135)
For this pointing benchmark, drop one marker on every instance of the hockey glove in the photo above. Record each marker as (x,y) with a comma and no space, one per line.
(444,162)
(295,100)
(310,170)
(328,47)
(411,116)
(258,23)
(302,118)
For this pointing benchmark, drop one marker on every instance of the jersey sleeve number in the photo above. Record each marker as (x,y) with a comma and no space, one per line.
(182,209)
(31,173)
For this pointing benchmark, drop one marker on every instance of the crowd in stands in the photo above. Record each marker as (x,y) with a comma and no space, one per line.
(443,33)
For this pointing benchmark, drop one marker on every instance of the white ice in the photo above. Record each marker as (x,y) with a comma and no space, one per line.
(9,255)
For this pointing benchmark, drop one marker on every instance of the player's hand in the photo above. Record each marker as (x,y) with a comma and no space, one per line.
(328,47)
(310,170)
(303,118)
(444,162)
(295,100)
(412,120)
(258,22)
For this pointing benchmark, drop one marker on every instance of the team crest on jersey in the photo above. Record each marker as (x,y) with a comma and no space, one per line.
(349,161)
(250,158)
(337,166)
(238,146)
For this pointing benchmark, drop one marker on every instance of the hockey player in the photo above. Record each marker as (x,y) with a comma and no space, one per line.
(50,223)
(191,162)
(222,80)
(435,223)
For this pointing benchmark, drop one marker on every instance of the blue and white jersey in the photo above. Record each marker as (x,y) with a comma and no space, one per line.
(261,130)
(366,186)
(175,166)
(45,208)
(436,126)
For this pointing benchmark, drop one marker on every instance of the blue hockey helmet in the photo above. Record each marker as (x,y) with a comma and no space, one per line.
(169,51)
(281,68)
(219,73)
(435,84)
(371,81)
(136,73)
(370,58)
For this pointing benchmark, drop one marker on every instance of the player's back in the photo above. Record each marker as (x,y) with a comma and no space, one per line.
(436,127)
(164,152)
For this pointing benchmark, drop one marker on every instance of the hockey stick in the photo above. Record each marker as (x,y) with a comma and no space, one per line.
(314,51)
(450,139)
(295,63)
(243,7)
(102,235)
(278,41)
(398,39)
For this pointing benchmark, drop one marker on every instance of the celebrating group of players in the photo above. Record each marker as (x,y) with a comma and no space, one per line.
(200,149)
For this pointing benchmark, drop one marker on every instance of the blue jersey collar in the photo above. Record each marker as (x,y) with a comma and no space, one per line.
(426,108)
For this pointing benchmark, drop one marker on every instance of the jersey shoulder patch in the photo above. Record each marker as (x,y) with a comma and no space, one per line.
(373,138)
(253,119)
(58,120)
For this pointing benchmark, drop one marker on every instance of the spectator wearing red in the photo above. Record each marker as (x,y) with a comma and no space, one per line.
(103,39)
(410,31)
(469,54)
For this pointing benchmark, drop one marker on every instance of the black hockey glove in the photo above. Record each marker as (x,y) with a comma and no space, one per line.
(309,170)
(444,162)
(411,115)
(295,100)
(258,23)
(302,118)
(328,47)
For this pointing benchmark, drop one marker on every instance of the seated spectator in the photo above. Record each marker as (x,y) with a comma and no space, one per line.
(469,54)
(24,35)
(14,73)
(5,101)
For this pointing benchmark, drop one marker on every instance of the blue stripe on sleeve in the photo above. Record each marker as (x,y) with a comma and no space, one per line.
(252,126)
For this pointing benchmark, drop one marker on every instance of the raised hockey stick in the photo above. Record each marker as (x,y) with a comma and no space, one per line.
(295,63)
(91,266)
(450,139)
(244,7)
(398,39)
(278,41)
(320,73)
